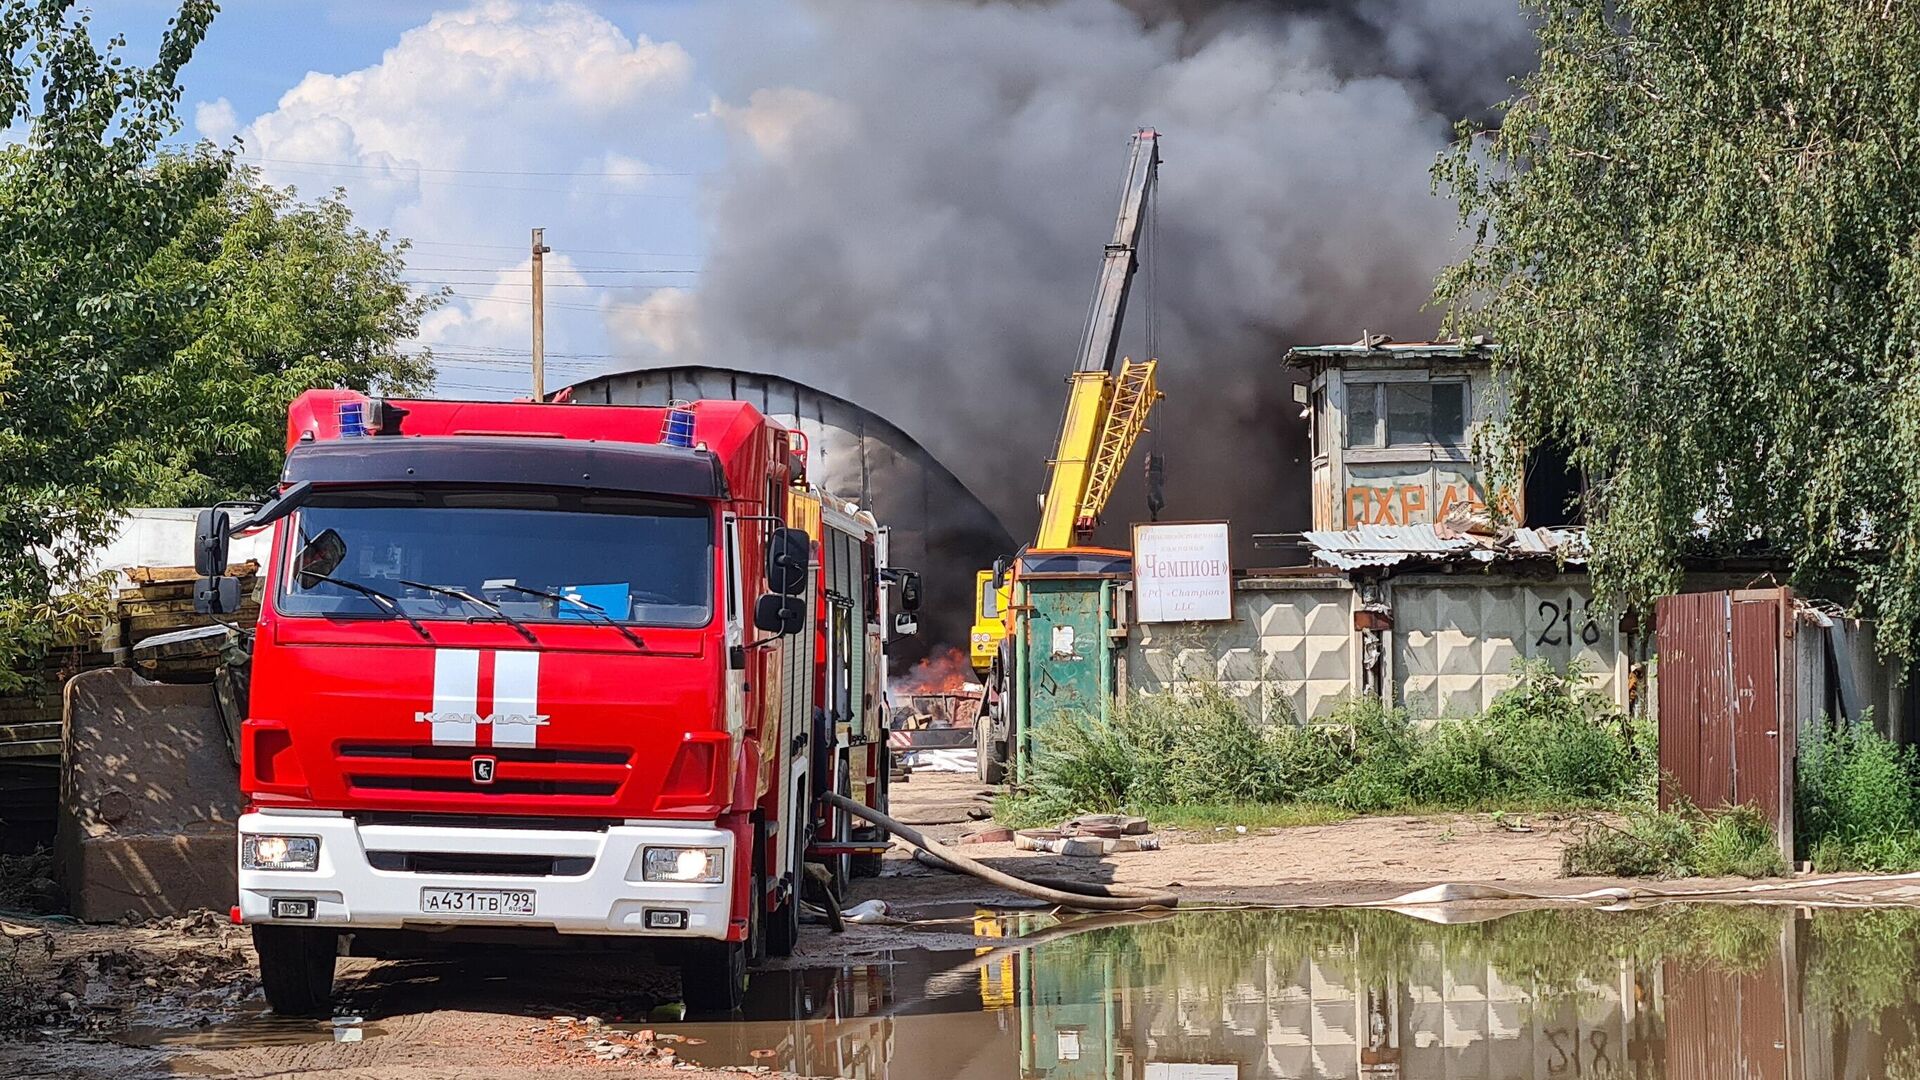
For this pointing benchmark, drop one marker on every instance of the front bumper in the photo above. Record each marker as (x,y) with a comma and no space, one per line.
(610,898)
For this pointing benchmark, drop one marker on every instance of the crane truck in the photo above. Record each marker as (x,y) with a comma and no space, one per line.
(546,672)
(1107,407)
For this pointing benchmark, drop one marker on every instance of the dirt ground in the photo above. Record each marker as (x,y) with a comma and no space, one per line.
(180,997)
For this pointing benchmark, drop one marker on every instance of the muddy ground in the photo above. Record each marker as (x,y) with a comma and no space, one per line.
(180,997)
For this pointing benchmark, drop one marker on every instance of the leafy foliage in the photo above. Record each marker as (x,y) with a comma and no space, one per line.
(157,310)
(1547,740)
(1854,800)
(1682,842)
(1698,246)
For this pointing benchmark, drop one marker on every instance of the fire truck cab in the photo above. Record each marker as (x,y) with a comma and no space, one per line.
(560,669)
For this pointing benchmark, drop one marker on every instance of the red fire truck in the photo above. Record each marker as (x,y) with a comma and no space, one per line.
(550,669)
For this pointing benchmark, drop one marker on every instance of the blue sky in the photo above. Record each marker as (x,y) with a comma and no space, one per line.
(462,125)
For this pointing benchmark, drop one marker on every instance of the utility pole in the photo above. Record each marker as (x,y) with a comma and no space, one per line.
(540,250)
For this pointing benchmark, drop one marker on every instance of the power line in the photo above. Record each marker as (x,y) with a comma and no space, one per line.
(506,187)
(397,167)
(550,285)
(566,270)
(522,247)
(572,307)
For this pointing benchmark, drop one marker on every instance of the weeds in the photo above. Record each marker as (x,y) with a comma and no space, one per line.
(1546,741)
(1682,842)
(1854,800)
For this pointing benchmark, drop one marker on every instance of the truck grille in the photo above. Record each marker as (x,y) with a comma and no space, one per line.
(534,754)
(537,771)
(483,821)
(466,786)
(442,862)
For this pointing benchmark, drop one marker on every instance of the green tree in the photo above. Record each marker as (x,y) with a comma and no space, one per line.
(256,299)
(1697,241)
(158,310)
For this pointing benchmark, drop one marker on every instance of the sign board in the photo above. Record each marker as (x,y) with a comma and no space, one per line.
(1181,573)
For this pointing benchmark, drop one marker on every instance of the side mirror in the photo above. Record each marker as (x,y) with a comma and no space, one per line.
(216,595)
(905,625)
(320,558)
(211,533)
(910,590)
(1000,573)
(778,614)
(787,559)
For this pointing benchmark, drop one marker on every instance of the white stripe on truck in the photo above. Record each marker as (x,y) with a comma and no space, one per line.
(516,694)
(456,693)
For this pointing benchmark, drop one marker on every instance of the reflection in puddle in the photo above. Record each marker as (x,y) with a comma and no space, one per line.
(260,1029)
(1676,992)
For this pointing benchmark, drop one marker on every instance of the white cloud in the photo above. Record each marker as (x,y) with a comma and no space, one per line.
(476,125)
(465,83)
(776,120)
(665,322)
(216,120)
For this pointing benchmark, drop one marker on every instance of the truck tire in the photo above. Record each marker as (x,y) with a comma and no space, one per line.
(713,974)
(841,866)
(989,750)
(713,977)
(783,926)
(296,967)
(869,865)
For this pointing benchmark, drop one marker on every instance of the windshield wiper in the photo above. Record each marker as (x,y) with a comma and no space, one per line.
(591,608)
(386,603)
(462,594)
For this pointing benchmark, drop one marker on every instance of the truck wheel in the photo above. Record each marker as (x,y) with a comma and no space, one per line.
(713,977)
(783,927)
(869,865)
(990,752)
(296,967)
(842,865)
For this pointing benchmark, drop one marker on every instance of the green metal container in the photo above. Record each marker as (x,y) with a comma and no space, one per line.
(1066,654)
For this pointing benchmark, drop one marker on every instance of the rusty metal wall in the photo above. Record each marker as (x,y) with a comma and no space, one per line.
(1727,701)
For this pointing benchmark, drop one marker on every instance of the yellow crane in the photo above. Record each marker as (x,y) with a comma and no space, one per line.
(1106,411)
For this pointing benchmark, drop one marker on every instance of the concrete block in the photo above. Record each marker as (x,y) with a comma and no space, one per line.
(149,799)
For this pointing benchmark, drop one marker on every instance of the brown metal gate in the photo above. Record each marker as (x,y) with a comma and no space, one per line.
(1725,702)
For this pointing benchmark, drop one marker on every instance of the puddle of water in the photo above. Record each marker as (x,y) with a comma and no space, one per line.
(258,1028)
(1367,995)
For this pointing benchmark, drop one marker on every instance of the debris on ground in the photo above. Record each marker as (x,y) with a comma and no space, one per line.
(87,979)
(27,885)
(1090,836)
(593,1037)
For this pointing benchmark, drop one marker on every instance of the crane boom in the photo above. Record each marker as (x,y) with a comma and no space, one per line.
(1101,337)
(1104,414)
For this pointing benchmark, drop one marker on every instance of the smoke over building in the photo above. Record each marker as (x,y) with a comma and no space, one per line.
(921,189)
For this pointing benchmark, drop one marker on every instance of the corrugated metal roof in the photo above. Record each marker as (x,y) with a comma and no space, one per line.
(1382,545)
(1389,545)
(1476,348)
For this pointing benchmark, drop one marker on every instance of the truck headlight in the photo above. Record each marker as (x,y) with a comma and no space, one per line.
(706,865)
(279,852)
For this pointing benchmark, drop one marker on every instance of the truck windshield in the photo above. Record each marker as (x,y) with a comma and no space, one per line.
(646,561)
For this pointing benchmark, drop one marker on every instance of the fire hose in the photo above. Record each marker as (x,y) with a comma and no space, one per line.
(1081,895)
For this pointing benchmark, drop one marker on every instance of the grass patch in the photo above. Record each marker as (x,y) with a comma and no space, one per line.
(1854,800)
(1197,756)
(1682,842)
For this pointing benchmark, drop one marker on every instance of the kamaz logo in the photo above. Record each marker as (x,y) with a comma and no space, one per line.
(497,719)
